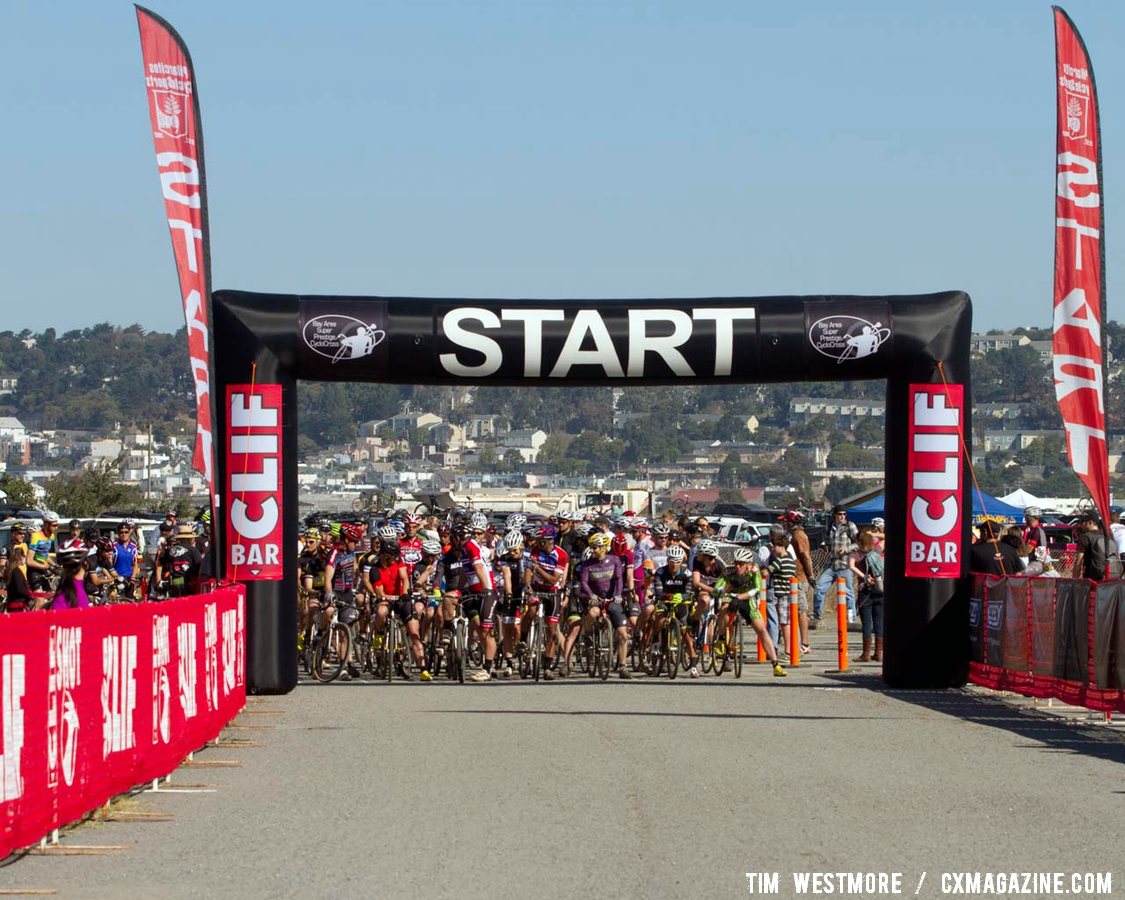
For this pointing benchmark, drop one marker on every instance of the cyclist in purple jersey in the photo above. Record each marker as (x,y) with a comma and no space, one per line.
(599,591)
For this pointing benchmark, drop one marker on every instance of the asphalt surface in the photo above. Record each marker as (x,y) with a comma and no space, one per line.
(640,789)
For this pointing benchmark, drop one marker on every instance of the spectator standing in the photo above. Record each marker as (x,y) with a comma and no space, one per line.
(15,577)
(1033,534)
(868,570)
(991,556)
(1094,549)
(799,546)
(1117,529)
(840,540)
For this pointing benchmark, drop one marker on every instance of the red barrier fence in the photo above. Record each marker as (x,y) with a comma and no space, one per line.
(95,701)
(1050,637)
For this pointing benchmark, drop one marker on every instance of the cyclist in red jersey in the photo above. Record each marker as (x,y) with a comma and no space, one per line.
(480,596)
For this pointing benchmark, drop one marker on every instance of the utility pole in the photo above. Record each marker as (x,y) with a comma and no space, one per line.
(148,466)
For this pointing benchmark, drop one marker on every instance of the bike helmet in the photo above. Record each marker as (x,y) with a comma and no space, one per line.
(619,546)
(71,555)
(879,523)
(461,531)
(620,523)
(351,532)
(50,518)
(548,532)
(794,515)
(744,555)
(91,535)
(706,548)
(583,530)
(515,521)
(599,541)
(313,534)
(677,553)
(399,526)
(388,533)
(75,526)
(431,548)
(479,521)
(513,540)
(104,545)
(1033,511)
(660,529)
(335,529)
(389,548)
(411,519)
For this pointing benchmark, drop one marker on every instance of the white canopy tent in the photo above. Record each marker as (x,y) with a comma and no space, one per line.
(1021,498)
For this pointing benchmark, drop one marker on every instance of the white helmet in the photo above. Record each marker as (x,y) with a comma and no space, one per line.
(513,540)
(676,552)
(583,530)
(878,522)
(478,521)
(388,533)
(515,521)
(706,548)
(431,548)
(744,555)
(51,517)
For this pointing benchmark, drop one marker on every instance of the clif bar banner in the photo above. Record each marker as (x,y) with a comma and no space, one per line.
(1079,296)
(177,133)
(934,502)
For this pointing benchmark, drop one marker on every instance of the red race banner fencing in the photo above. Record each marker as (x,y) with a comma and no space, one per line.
(1079,366)
(95,701)
(177,132)
(1049,637)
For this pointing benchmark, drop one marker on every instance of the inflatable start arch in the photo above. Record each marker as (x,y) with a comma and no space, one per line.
(264,343)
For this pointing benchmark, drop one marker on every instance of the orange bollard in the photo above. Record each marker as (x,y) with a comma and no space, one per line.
(842,624)
(762,647)
(794,625)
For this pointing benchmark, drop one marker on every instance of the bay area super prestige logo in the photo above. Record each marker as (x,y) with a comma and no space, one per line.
(342,337)
(933,490)
(253,457)
(847,337)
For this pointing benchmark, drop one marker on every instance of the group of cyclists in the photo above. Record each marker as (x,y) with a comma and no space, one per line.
(566,573)
(88,568)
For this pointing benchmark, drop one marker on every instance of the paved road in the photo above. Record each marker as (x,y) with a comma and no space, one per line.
(640,789)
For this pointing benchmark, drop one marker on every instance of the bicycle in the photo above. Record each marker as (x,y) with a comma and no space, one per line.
(726,647)
(668,652)
(531,659)
(601,645)
(458,645)
(331,646)
(394,656)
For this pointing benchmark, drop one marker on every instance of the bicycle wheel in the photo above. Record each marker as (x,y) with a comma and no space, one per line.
(707,635)
(388,665)
(719,649)
(735,647)
(525,657)
(673,646)
(535,648)
(460,653)
(433,648)
(331,654)
(404,658)
(603,648)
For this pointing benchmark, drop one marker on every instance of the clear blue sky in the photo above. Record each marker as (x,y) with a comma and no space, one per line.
(552,149)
